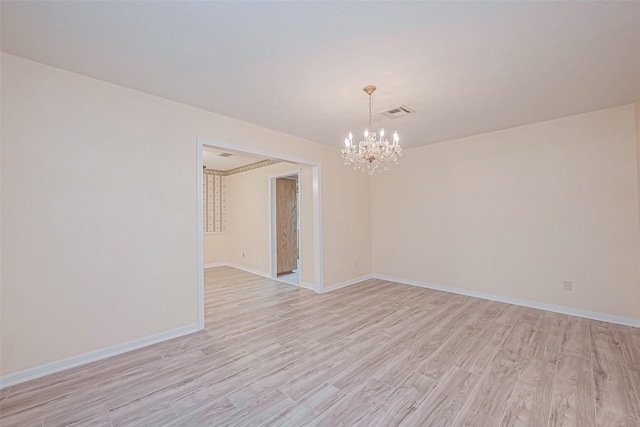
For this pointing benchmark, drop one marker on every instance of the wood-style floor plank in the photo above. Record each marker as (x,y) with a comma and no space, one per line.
(486,404)
(443,320)
(260,411)
(545,343)
(308,409)
(515,347)
(573,397)
(444,403)
(402,403)
(374,354)
(445,358)
(616,403)
(200,411)
(355,406)
(479,355)
(530,401)
(630,341)
(576,338)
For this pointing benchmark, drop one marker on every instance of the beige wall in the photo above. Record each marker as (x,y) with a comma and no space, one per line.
(307,263)
(519,211)
(97,247)
(637,110)
(215,248)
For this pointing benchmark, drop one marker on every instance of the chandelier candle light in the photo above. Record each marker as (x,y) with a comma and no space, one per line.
(372,153)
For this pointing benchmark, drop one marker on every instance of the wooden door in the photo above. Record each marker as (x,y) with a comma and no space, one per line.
(287,224)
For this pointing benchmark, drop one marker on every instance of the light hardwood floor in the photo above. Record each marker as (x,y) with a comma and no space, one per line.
(373,354)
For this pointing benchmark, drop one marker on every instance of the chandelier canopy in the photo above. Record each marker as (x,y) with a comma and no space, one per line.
(374,152)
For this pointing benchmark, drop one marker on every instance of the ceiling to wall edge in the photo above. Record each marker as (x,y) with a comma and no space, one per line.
(241,169)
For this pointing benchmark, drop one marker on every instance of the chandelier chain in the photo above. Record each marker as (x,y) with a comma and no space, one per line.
(370,108)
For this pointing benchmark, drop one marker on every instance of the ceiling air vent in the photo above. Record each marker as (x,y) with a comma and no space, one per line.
(396,112)
(225,155)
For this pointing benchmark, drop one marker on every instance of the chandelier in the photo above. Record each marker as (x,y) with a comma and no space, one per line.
(374,152)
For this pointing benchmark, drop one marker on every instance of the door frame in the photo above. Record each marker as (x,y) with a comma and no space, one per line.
(273,235)
(316,169)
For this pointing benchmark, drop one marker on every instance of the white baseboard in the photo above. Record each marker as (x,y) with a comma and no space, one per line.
(298,285)
(259,273)
(93,356)
(239,267)
(516,301)
(307,286)
(347,283)
(215,264)
(248,270)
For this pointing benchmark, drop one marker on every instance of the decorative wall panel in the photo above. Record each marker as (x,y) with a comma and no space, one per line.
(213,194)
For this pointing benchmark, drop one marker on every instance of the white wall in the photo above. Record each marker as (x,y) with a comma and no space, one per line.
(97,247)
(518,211)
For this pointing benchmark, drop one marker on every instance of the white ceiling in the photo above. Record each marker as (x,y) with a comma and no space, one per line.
(299,67)
(212,160)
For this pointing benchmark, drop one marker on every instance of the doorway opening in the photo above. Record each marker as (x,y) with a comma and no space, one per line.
(237,217)
(285,227)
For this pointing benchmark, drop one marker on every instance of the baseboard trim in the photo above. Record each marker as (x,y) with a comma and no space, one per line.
(307,286)
(215,264)
(239,267)
(248,270)
(347,283)
(93,356)
(258,273)
(517,301)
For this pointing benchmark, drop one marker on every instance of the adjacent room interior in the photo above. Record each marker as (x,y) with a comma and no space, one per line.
(286,231)
(320,213)
(257,214)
